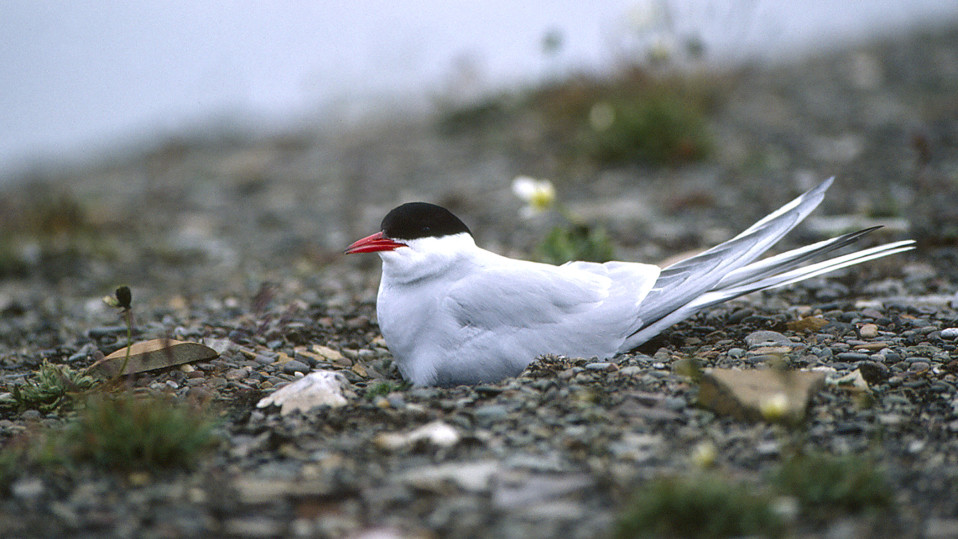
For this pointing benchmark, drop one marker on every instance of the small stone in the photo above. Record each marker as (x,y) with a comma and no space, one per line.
(852,356)
(491,412)
(294,366)
(237,374)
(263,359)
(600,366)
(873,372)
(319,388)
(763,338)
(949,334)
(735,353)
(868,331)
(854,382)
(27,488)
(437,433)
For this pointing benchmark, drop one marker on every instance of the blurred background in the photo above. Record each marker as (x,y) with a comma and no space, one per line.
(246,139)
(87,77)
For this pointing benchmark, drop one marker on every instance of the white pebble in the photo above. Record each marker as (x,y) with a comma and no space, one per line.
(949,333)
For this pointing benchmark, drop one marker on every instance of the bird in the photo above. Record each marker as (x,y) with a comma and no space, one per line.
(453,313)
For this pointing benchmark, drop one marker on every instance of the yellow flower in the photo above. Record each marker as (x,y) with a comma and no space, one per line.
(775,407)
(703,454)
(539,195)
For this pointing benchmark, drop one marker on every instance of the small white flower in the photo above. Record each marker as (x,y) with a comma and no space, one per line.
(539,195)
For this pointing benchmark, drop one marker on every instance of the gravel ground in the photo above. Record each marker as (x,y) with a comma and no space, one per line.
(235,243)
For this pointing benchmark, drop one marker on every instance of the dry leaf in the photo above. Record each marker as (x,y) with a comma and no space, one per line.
(809,323)
(152,355)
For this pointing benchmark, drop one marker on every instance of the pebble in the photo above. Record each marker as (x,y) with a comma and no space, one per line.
(28,488)
(767,338)
(491,412)
(105,331)
(853,356)
(601,366)
(949,334)
(868,331)
(294,366)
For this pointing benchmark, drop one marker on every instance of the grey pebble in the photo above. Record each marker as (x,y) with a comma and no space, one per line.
(600,366)
(949,334)
(263,359)
(104,331)
(675,403)
(491,412)
(295,365)
(853,356)
(767,338)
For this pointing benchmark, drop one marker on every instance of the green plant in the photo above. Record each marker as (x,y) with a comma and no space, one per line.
(576,242)
(51,386)
(382,388)
(127,432)
(121,299)
(657,128)
(825,483)
(702,505)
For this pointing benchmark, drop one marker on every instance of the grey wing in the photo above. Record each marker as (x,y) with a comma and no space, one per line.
(497,299)
(682,282)
(580,309)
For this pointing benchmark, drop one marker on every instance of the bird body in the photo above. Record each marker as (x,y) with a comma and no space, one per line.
(454,313)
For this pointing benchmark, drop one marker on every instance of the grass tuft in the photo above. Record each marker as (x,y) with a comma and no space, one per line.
(825,484)
(382,388)
(703,505)
(127,432)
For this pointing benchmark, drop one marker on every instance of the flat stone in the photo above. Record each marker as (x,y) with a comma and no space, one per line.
(949,334)
(744,393)
(319,388)
(853,356)
(767,338)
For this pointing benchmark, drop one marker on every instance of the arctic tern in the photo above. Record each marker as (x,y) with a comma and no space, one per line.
(453,313)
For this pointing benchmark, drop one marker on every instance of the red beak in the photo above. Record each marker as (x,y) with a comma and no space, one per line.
(373,243)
